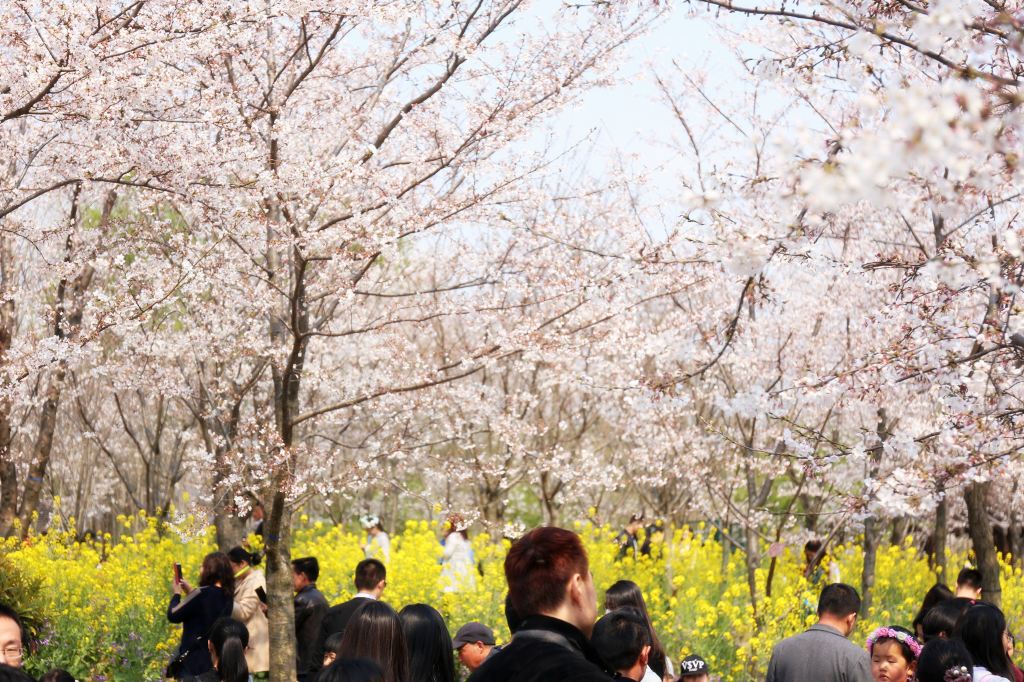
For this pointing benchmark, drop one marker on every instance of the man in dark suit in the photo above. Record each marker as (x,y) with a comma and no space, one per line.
(370,579)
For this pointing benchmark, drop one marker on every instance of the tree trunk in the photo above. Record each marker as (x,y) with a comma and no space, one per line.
(980,528)
(229,526)
(230,529)
(872,530)
(1013,529)
(549,489)
(67,320)
(8,470)
(939,535)
(1016,539)
(757,497)
(867,576)
(41,450)
(900,530)
(8,474)
(280,607)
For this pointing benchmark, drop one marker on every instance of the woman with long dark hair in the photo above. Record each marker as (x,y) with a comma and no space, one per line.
(627,593)
(375,632)
(429,644)
(227,642)
(982,629)
(941,619)
(936,594)
(197,608)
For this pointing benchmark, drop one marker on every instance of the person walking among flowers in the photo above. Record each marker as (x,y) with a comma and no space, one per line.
(823,653)
(378,544)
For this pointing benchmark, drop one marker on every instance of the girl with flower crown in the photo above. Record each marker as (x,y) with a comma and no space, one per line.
(894,652)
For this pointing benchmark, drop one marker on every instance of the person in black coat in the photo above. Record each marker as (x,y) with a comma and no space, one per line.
(310,607)
(370,580)
(550,585)
(198,608)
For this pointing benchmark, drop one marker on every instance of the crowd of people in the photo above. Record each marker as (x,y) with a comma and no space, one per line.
(956,637)
(551,609)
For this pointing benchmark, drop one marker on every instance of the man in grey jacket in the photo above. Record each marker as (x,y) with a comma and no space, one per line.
(823,653)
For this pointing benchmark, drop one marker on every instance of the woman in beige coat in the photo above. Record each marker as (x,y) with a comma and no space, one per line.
(250,610)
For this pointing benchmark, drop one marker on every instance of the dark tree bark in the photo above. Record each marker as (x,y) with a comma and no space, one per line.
(939,535)
(872,529)
(900,530)
(67,321)
(8,472)
(979,525)
(42,449)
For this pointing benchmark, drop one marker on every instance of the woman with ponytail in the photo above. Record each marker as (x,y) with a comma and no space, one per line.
(228,641)
(250,609)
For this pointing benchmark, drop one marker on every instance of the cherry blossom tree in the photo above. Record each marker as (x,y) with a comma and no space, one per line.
(286,165)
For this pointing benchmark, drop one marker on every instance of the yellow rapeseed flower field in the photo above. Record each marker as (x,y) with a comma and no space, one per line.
(104,601)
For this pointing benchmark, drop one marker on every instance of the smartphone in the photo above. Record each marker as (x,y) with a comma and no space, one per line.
(177,572)
(262,594)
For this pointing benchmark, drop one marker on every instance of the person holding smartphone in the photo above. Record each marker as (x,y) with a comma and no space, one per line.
(250,610)
(197,608)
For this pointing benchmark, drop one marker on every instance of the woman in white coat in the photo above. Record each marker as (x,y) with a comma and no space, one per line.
(457,563)
(250,609)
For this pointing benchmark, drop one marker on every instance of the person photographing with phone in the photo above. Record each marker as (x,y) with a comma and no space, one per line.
(249,608)
(197,609)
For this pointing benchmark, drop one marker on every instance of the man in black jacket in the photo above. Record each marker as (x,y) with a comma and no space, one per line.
(310,607)
(550,584)
(370,579)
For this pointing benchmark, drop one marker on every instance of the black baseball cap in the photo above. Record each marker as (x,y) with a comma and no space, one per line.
(692,665)
(473,632)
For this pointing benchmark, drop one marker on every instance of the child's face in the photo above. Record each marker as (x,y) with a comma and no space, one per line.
(329,658)
(888,663)
(703,677)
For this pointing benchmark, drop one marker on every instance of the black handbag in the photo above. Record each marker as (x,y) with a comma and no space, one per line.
(176,666)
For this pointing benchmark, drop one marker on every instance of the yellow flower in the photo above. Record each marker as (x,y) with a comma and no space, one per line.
(108,597)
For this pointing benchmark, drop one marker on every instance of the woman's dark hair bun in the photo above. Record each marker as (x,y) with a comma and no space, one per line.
(240,554)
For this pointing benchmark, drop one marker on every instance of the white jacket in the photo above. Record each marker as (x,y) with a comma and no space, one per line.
(247,609)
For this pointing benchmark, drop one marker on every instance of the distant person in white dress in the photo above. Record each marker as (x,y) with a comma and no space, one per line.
(378,544)
(457,562)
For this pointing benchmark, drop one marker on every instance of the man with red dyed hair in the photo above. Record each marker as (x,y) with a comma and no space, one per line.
(550,587)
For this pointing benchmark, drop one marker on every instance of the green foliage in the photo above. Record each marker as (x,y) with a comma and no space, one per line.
(21,591)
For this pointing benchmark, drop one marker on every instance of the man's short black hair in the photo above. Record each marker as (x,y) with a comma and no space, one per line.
(7,612)
(620,637)
(969,577)
(369,573)
(308,566)
(812,545)
(838,600)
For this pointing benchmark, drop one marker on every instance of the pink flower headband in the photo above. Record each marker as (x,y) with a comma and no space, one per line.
(891,633)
